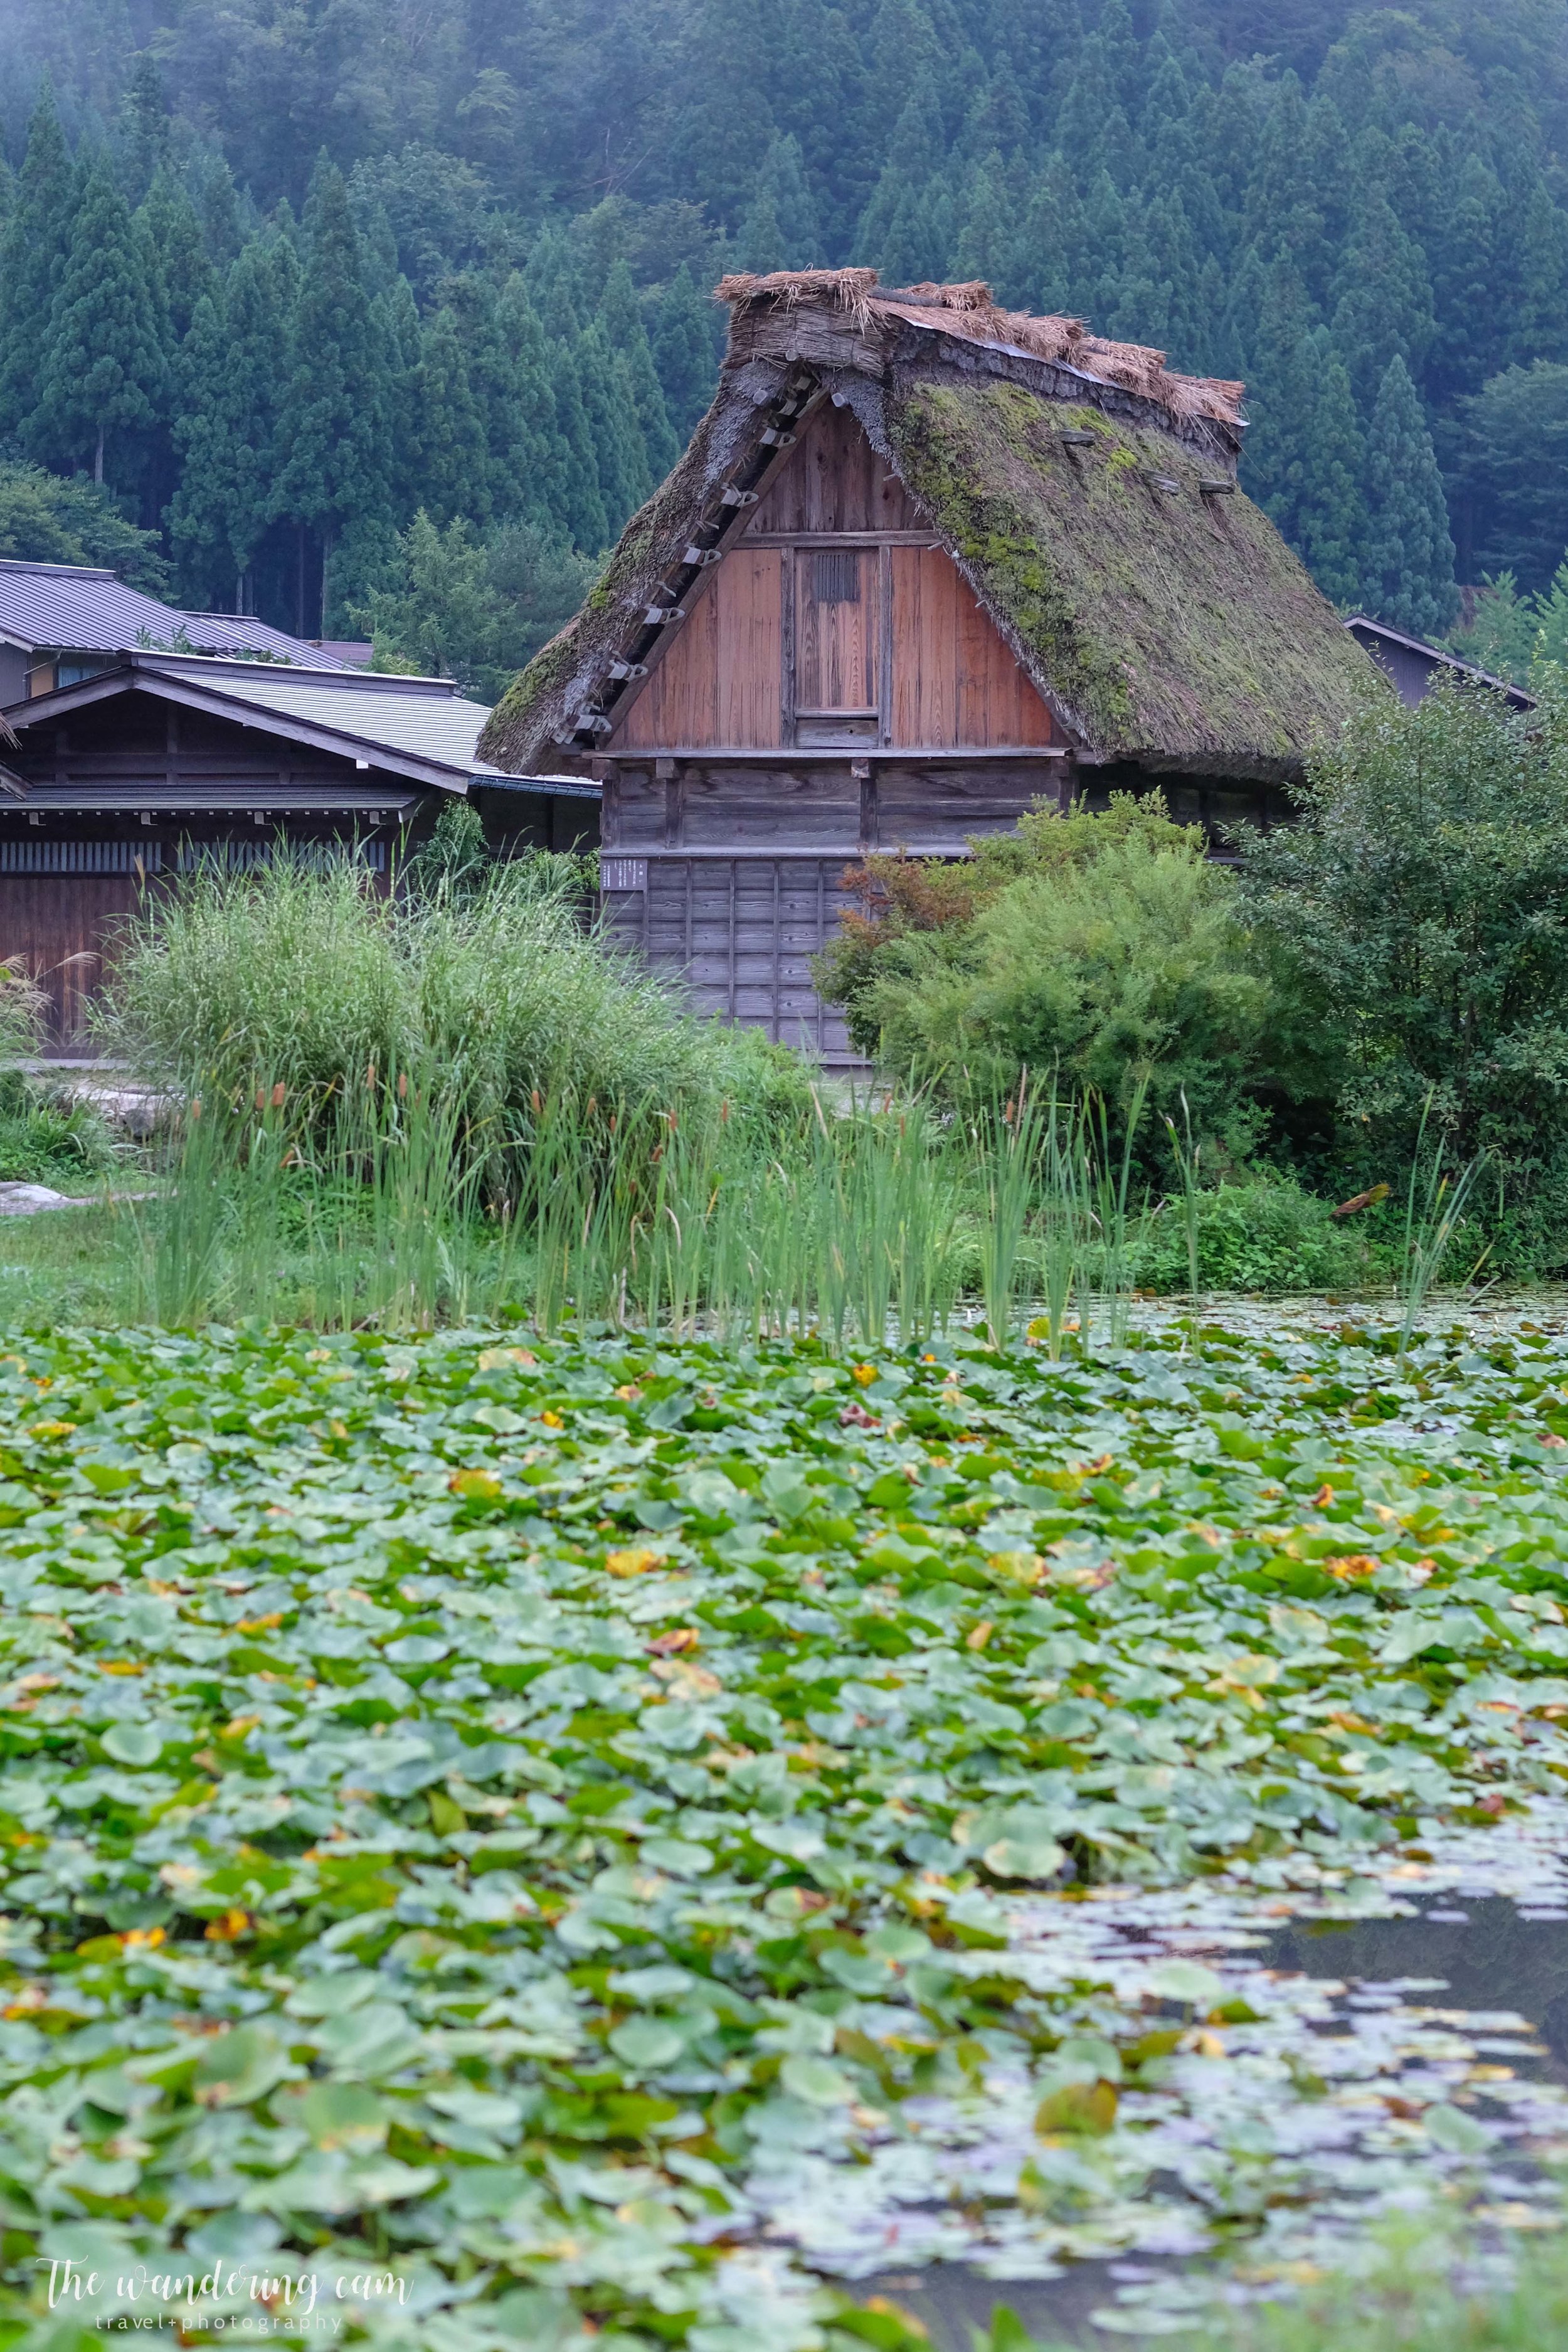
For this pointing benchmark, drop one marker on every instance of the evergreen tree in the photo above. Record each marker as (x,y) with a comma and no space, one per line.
(683,351)
(620,315)
(761,247)
(1236,335)
(527,459)
(1536,285)
(1466,260)
(32,260)
(395,319)
(1278,208)
(582,508)
(168,221)
(1384,306)
(145,136)
(455,459)
(198,516)
(219,208)
(1282,396)
(1092,129)
(225,425)
(1330,517)
(624,478)
(1053,233)
(898,231)
(1124,68)
(997,122)
(780,219)
(1407,574)
(333,469)
(984,246)
(102,370)
(552,286)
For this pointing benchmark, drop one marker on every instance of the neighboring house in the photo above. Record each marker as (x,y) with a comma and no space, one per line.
(126,763)
(1411,665)
(924,562)
(60,623)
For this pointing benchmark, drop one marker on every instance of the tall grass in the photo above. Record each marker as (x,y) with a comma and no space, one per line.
(304,972)
(1433,1210)
(423,1103)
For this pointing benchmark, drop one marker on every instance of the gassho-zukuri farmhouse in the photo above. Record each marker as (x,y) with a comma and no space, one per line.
(924,562)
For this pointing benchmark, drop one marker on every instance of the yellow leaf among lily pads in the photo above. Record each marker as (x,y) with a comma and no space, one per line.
(636,1560)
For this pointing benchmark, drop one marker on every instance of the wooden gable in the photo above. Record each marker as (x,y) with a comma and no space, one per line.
(834,620)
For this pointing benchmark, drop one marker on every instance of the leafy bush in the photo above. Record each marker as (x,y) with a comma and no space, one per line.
(47,1138)
(1420,908)
(1103,947)
(477,610)
(1266,1234)
(45,518)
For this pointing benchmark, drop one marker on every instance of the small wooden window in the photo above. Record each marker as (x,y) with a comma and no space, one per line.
(836,577)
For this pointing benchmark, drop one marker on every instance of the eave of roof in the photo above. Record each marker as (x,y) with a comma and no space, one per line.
(212,688)
(1439,655)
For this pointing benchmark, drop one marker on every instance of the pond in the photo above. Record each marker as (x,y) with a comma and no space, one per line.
(655,1828)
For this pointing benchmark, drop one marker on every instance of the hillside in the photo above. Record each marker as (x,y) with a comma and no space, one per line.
(386,313)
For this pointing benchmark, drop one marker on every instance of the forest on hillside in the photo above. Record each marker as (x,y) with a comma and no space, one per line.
(383,315)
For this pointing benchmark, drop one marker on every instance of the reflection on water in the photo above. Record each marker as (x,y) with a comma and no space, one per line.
(1468,1953)
(1489,1954)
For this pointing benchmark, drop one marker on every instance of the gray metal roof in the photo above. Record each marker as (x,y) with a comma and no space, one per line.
(424,718)
(414,727)
(66,605)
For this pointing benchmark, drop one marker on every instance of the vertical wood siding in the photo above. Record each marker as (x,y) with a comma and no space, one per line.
(954,680)
(834,480)
(836,664)
(56,926)
(717,678)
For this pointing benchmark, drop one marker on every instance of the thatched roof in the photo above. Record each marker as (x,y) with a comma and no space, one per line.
(1087,494)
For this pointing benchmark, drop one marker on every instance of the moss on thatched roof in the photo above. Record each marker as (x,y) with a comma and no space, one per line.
(1161,622)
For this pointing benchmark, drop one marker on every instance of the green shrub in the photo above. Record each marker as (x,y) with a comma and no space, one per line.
(1265,1233)
(1106,950)
(1419,911)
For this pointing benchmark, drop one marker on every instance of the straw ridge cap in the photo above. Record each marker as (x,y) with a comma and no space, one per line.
(971,311)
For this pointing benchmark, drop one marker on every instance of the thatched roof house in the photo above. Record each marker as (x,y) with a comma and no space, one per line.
(1087,495)
(925,562)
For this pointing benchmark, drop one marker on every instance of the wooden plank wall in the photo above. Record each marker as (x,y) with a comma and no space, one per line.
(741,932)
(718,679)
(955,678)
(913,657)
(56,926)
(833,481)
(837,665)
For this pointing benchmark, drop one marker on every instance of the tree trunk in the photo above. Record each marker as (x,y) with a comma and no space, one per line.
(326,557)
(239,592)
(98,457)
(300,581)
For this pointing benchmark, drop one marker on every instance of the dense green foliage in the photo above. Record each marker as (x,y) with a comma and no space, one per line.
(596,1828)
(305,975)
(457,258)
(1419,908)
(1104,950)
